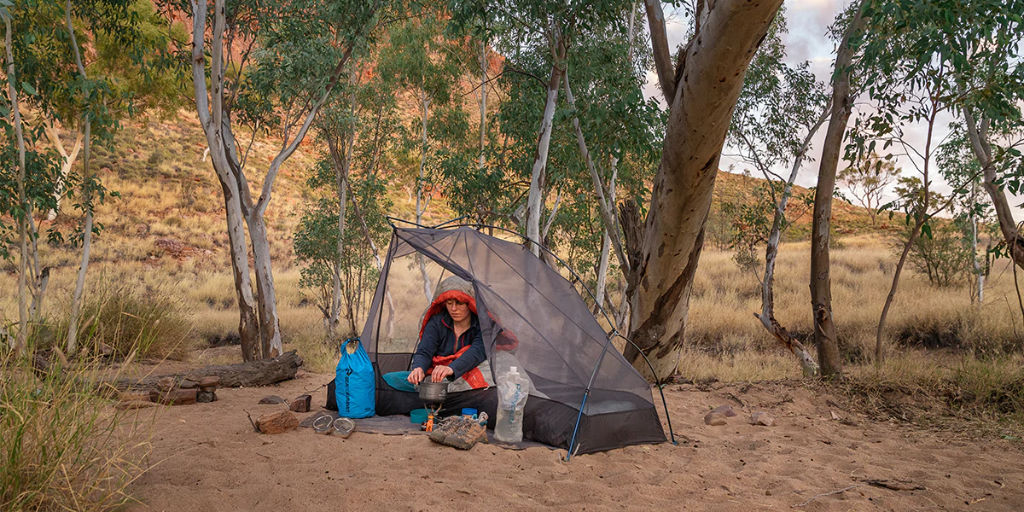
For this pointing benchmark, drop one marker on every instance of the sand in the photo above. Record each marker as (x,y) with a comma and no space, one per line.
(206,457)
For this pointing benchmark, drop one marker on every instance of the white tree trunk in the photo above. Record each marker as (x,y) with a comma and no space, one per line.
(341,168)
(12,95)
(211,118)
(83,267)
(483,101)
(67,162)
(271,344)
(979,275)
(606,241)
(535,199)
(421,201)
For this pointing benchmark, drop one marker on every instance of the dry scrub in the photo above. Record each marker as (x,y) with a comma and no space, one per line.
(61,446)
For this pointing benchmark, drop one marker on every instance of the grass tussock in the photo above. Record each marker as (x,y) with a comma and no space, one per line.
(979,395)
(152,322)
(61,446)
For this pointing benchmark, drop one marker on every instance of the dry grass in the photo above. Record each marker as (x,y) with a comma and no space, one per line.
(63,447)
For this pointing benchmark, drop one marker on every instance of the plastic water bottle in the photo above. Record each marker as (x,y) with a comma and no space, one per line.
(513,390)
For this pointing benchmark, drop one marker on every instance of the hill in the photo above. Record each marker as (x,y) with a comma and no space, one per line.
(171,208)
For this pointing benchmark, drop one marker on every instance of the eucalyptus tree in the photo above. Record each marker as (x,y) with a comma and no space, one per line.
(866,180)
(701,88)
(48,58)
(270,69)
(850,34)
(428,64)
(931,58)
(338,236)
(779,111)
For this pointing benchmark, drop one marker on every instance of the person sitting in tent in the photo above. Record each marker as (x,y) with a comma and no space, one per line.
(450,343)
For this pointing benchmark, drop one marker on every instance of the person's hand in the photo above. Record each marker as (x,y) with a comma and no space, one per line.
(440,372)
(415,376)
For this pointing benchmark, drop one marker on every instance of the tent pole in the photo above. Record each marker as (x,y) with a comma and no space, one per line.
(586,393)
(380,315)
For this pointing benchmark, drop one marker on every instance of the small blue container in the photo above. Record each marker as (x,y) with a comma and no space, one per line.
(469,412)
(418,416)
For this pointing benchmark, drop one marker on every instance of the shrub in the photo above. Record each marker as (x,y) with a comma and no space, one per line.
(61,447)
(125,318)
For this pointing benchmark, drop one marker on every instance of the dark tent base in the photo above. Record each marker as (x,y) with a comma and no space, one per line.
(544,421)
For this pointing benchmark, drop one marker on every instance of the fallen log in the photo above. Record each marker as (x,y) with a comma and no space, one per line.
(250,374)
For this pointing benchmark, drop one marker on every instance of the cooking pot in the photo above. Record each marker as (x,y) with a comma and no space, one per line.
(433,392)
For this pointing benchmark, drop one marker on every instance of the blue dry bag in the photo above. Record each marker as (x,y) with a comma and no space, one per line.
(354,385)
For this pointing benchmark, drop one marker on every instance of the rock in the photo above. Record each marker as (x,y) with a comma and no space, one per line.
(272,399)
(175,397)
(277,423)
(134,396)
(165,384)
(301,404)
(762,418)
(714,418)
(725,410)
(187,384)
(206,397)
(209,383)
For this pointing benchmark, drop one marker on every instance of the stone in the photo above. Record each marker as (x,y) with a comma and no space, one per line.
(277,423)
(762,418)
(301,403)
(725,410)
(187,384)
(272,399)
(204,397)
(209,383)
(714,418)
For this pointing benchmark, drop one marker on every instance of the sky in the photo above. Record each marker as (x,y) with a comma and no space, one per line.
(806,40)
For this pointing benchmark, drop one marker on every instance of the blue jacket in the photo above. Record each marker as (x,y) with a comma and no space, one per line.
(439,340)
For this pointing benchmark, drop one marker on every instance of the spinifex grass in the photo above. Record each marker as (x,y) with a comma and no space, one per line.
(62,447)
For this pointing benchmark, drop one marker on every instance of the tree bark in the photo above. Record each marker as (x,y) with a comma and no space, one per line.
(821,284)
(341,169)
(67,161)
(22,340)
(704,91)
(535,200)
(262,372)
(271,344)
(83,268)
(421,205)
(213,124)
(977,133)
(483,101)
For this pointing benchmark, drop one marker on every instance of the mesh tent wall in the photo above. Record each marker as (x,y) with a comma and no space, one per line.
(561,346)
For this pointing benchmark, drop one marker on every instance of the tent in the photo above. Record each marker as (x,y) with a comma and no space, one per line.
(585,397)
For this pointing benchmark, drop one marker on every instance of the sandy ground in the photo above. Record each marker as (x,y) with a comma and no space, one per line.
(206,457)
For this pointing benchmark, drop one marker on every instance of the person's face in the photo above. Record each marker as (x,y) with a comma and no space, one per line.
(459,311)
